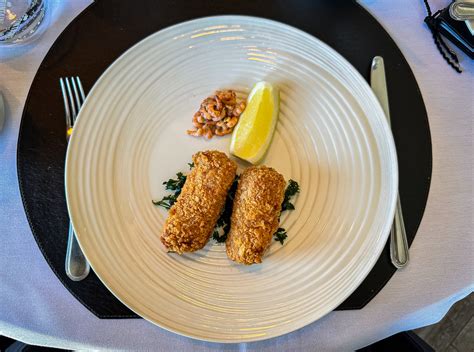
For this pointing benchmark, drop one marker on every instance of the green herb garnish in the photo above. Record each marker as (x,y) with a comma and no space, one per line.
(167,201)
(290,192)
(191,165)
(280,235)
(223,223)
(175,185)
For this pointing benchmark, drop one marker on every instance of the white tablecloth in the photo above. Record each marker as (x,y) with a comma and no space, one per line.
(37,309)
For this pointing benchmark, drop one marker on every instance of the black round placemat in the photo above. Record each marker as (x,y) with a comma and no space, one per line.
(107,28)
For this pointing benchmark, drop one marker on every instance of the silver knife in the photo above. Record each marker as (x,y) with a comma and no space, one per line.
(398,237)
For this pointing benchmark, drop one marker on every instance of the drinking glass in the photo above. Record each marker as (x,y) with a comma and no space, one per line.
(21,20)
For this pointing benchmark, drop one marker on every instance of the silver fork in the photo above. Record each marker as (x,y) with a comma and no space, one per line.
(77,266)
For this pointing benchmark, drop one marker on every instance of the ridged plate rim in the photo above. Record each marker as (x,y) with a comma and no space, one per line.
(69,178)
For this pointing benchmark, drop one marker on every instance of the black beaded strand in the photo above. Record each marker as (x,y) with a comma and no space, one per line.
(447,53)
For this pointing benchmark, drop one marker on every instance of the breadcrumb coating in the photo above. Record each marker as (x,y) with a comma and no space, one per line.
(255,215)
(193,217)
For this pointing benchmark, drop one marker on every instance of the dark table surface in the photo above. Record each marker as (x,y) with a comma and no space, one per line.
(108,28)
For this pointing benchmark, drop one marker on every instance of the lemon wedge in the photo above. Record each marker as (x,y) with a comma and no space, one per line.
(253,134)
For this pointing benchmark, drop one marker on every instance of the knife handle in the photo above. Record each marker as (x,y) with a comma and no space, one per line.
(398,239)
(77,266)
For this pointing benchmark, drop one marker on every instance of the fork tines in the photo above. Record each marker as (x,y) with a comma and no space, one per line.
(73,96)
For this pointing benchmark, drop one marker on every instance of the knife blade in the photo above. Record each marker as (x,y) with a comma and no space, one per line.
(398,238)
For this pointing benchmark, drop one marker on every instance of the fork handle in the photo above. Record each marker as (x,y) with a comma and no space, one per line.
(77,266)
(398,238)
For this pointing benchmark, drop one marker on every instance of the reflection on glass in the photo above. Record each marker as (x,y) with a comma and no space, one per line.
(20,20)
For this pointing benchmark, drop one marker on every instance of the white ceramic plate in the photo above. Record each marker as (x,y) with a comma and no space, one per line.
(331,137)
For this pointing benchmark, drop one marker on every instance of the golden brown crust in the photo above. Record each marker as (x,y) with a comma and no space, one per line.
(194,215)
(255,214)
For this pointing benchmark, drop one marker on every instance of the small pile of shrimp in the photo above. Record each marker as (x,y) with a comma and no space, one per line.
(217,115)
